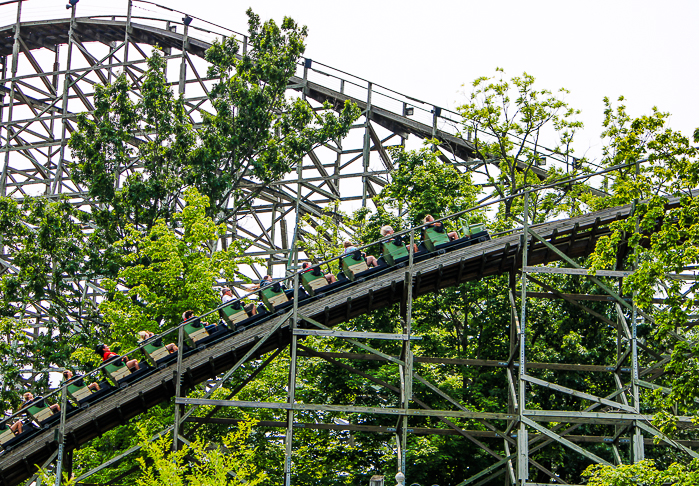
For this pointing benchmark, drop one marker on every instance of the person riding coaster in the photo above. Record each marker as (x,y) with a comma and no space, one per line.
(116,367)
(153,348)
(28,400)
(107,355)
(37,409)
(306,267)
(453,235)
(387,230)
(77,389)
(227,296)
(371,260)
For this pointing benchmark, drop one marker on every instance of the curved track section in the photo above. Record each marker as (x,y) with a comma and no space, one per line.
(575,237)
(49,34)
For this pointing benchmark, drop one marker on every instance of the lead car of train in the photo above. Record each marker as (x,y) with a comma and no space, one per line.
(235,317)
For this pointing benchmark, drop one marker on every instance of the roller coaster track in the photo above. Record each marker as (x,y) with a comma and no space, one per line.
(47,34)
(575,237)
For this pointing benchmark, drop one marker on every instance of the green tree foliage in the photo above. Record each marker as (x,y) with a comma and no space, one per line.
(171,271)
(200,463)
(643,473)
(47,244)
(256,130)
(511,123)
(661,241)
(103,147)
(423,184)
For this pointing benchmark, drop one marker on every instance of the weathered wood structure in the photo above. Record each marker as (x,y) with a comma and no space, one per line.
(38,111)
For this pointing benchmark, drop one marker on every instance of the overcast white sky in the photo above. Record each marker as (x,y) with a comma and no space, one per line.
(643,50)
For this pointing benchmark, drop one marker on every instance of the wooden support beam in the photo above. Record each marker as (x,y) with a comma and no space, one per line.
(552,435)
(577,271)
(354,334)
(342,408)
(480,362)
(576,393)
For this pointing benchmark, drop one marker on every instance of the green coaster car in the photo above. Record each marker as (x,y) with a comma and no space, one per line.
(313,280)
(273,295)
(78,390)
(476,231)
(155,351)
(352,264)
(232,314)
(194,331)
(435,236)
(394,249)
(39,410)
(116,370)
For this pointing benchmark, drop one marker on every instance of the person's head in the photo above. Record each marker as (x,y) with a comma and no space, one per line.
(306,264)
(347,243)
(67,374)
(267,277)
(28,397)
(143,335)
(428,219)
(101,349)
(226,291)
(386,230)
(188,314)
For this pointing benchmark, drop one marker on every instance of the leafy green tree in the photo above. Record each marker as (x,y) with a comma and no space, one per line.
(511,123)
(200,463)
(47,244)
(103,148)
(423,184)
(256,130)
(661,240)
(171,271)
(643,473)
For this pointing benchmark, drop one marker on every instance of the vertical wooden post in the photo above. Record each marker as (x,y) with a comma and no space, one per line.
(178,388)
(13,74)
(183,63)
(293,351)
(366,153)
(522,439)
(67,82)
(406,382)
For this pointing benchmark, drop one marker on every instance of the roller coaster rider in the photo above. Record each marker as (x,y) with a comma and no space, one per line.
(387,231)
(227,296)
(68,376)
(453,235)
(306,267)
(371,260)
(18,427)
(106,354)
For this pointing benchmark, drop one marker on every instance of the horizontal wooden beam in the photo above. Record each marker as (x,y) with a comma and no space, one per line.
(576,393)
(355,334)
(381,429)
(577,271)
(592,297)
(344,408)
(479,362)
(611,418)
